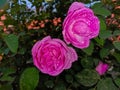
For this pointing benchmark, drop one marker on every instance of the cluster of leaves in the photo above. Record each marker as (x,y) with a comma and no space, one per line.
(17,71)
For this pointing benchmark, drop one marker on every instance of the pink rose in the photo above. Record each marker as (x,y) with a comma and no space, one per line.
(102,68)
(80,25)
(52,56)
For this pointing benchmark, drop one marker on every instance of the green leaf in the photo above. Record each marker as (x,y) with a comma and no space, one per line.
(29,79)
(6,74)
(104,52)
(22,51)
(104,34)
(117,81)
(60,86)
(7,78)
(102,23)
(116,32)
(99,41)
(117,45)
(89,50)
(69,78)
(12,42)
(87,62)
(117,56)
(49,84)
(6,87)
(99,9)
(88,77)
(96,5)
(106,84)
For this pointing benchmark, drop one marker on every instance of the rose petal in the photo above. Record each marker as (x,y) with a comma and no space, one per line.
(75,6)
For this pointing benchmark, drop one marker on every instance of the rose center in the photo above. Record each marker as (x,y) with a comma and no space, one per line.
(81,28)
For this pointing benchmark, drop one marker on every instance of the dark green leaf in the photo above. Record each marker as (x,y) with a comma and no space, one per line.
(102,23)
(101,11)
(96,5)
(12,42)
(117,45)
(87,62)
(117,56)
(69,78)
(89,50)
(7,78)
(49,84)
(29,79)
(104,52)
(60,86)
(88,77)
(6,87)
(106,84)
(116,32)
(100,41)
(6,74)
(104,34)
(117,82)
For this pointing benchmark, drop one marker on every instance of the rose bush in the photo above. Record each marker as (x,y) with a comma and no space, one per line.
(80,25)
(96,67)
(52,56)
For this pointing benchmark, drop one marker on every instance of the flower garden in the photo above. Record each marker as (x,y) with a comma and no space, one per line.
(60,45)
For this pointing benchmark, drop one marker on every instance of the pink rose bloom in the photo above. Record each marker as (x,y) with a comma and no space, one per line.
(52,56)
(80,25)
(102,68)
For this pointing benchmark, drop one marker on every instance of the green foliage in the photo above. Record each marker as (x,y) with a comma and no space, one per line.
(49,84)
(102,24)
(117,45)
(69,78)
(106,84)
(100,10)
(117,82)
(87,77)
(117,56)
(6,74)
(105,34)
(6,87)
(89,50)
(60,86)
(104,52)
(12,42)
(29,79)
(16,64)
(87,62)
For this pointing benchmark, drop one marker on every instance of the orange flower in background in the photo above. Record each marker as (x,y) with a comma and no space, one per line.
(42,25)
(56,21)
(3,17)
(36,24)
(4,29)
(36,27)
(59,20)
(46,20)
(29,27)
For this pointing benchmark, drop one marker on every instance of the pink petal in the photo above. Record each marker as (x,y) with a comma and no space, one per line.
(75,6)
(102,68)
